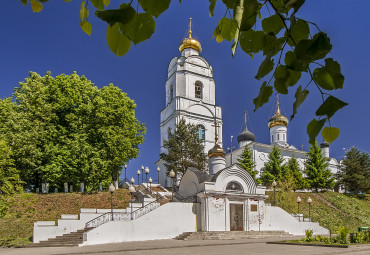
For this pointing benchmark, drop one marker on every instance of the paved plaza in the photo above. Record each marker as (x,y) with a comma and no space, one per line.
(198,247)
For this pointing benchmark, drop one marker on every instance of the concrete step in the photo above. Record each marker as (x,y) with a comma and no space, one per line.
(71,239)
(230,235)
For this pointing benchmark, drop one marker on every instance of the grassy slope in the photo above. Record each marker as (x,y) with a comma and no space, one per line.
(17,225)
(330,209)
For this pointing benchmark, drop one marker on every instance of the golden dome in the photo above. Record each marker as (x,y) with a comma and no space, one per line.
(278,119)
(190,42)
(216,151)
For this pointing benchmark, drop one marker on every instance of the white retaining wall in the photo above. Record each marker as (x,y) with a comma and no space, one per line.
(276,218)
(167,221)
(43,230)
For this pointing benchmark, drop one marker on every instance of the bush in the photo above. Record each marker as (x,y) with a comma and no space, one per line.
(343,234)
(355,237)
(309,235)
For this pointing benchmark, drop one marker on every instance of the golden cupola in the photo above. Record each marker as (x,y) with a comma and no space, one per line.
(216,151)
(278,119)
(190,42)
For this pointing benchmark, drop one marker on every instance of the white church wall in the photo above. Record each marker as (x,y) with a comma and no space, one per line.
(278,219)
(217,214)
(167,221)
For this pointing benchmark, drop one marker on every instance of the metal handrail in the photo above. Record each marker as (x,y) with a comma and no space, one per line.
(119,216)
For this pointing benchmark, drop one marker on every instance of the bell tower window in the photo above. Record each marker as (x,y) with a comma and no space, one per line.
(198,90)
(201,133)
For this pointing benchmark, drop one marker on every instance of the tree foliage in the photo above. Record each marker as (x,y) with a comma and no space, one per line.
(317,173)
(354,172)
(292,47)
(292,174)
(9,176)
(274,168)
(65,129)
(184,149)
(246,161)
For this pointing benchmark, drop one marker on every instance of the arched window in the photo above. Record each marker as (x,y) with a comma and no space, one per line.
(201,133)
(171,92)
(198,90)
(278,137)
(234,186)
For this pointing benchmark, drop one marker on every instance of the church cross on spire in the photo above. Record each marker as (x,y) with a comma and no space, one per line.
(190,27)
(277,105)
(216,125)
(245,119)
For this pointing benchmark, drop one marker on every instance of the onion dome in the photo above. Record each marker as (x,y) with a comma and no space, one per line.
(246,135)
(278,119)
(216,151)
(324,144)
(190,42)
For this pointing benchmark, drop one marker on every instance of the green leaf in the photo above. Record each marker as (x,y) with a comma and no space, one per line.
(86,27)
(330,106)
(84,12)
(140,28)
(99,4)
(36,6)
(123,15)
(294,63)
(330,134)
(154,7)
(238,16)
(284,78)
(299,30)
(251,9)
(231,4)
(316,48)
(329,77)
(313,129)
(118,43)
(300,96)
(265,68)
(272,24)
(225,29)
(263,96)
(106,2)
(24,2)
(272,45)
(252,41)
(212,5)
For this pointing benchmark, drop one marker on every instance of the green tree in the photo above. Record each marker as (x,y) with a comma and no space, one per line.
(9,176)
(318,175)
(354,172)
(65,129)
(184,149)
(273,168)
(246,161)
(293,175)
(292,46)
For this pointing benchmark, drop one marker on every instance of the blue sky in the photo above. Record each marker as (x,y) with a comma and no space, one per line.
(53,41)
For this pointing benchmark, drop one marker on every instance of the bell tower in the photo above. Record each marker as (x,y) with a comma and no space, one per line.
(190,93)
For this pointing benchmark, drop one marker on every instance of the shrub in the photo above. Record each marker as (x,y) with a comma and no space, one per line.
(343,234)
(309,235)
(355,237)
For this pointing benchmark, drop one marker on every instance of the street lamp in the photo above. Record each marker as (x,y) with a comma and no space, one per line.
(125,166)
(309,201)
(274,186)
(132,180)
(138,177)
(298,202)
(158,169)
(172,175)
(132,190)
(142,170)
(150,182)
(146,176)
(111,190)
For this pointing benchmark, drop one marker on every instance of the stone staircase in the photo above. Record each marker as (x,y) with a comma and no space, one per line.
(71,239)
(231,235)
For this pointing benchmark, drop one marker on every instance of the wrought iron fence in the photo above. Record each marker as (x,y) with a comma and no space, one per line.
(123,216)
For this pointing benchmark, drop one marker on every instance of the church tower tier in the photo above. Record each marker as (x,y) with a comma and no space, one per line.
(190,93)
(278,125)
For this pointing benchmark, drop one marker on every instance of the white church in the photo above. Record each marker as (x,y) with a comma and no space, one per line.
(208,204)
